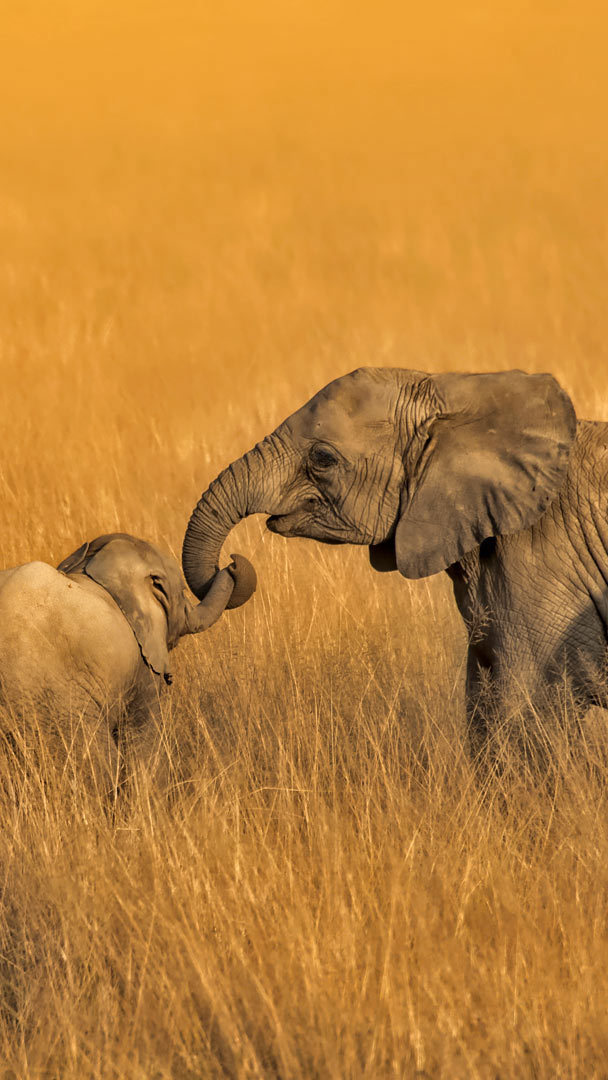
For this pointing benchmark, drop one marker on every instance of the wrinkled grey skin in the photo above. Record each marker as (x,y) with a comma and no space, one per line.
(88,644)
(486,476)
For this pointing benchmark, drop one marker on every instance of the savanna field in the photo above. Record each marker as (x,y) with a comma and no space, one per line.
(206,213)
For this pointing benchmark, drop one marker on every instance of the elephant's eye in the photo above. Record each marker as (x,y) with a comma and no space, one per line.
(157,583)
(322,457)
(160,591)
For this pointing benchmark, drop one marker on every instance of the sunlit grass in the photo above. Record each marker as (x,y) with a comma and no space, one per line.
(329,891)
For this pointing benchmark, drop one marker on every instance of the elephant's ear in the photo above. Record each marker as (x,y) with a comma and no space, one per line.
(142,593)
(75,562)
(495,457)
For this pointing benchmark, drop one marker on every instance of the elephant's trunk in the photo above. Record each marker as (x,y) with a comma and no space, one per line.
(238,491)
(207,611)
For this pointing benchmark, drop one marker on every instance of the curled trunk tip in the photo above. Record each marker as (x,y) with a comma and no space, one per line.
(245,581)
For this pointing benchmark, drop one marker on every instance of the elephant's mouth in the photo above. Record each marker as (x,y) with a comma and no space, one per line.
(299,524)
(275,524)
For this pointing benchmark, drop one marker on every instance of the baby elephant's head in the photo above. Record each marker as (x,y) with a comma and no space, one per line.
(148,587)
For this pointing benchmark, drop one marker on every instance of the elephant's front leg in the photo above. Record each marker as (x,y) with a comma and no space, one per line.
(141,736)
(474,606)
(480,694)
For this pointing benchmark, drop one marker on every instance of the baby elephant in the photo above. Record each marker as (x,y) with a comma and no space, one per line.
(84,649)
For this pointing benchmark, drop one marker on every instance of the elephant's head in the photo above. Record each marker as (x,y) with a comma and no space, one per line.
(148,588)
(422,468)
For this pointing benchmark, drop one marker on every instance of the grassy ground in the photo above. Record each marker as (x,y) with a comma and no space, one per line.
(204,216)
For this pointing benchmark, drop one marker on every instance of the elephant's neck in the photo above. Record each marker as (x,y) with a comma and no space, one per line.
(465,577)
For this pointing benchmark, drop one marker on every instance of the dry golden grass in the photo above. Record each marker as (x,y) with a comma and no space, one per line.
(206,212)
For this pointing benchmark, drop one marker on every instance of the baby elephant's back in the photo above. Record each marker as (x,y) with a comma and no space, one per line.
(63,644)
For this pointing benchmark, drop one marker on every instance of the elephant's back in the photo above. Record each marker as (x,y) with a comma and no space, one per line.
(61,644)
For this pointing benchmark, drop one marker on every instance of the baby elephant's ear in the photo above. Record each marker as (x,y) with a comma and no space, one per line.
(495,457)
(138,585)
(75,562)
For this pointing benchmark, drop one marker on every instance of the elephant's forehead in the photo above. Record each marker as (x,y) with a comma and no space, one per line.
(345,409)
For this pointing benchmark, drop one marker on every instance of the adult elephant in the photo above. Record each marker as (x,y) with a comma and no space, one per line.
(487,476)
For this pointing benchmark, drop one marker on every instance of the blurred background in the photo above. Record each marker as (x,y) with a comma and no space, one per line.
(209,210)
